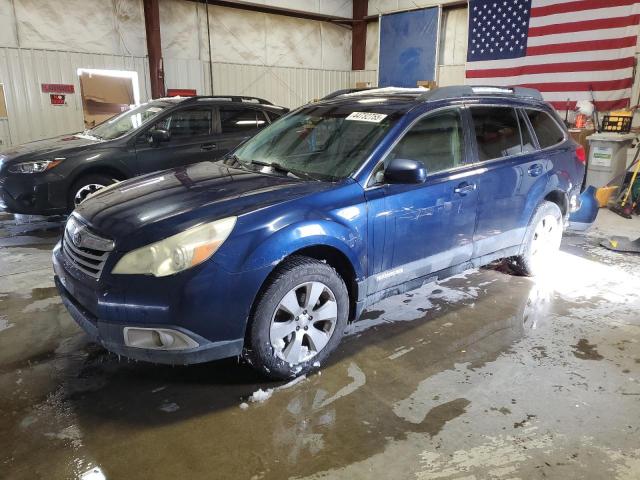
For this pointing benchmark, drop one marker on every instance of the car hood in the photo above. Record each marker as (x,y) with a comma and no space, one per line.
(58,146)
(201,191)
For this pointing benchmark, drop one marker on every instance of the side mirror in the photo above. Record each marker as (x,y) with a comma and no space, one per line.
(157,135)
(402,170)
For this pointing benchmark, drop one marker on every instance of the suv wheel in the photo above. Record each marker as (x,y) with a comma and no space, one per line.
(85,186)
(299,319)
(542,240)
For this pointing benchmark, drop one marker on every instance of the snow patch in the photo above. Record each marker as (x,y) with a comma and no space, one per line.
(260,395)
(93,474)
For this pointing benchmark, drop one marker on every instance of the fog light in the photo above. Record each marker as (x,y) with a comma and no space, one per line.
(157,339)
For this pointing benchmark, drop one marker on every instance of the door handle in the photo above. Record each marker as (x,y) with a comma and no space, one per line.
(465,188)
(535,170)
(208,146)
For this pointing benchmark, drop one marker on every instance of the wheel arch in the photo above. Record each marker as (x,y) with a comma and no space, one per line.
(328,249)
(340,263)
(560,199)
(115,172)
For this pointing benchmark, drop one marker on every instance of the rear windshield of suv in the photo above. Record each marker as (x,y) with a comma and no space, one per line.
(325,142)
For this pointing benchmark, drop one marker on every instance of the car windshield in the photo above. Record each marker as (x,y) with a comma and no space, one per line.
(324,142)
(126,122)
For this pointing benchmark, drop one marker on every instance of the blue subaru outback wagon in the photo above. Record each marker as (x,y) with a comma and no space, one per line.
(269,252)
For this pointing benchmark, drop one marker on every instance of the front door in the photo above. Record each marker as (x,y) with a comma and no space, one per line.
(417,230)
(191,140)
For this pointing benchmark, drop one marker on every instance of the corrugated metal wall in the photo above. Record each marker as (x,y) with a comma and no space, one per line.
(289,87)
(5,137)
(32,117)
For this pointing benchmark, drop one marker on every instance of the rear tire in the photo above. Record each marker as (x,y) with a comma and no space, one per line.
(299,318)
(85,186)
(542,240)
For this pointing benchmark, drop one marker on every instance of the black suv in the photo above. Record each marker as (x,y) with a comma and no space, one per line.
(53,176)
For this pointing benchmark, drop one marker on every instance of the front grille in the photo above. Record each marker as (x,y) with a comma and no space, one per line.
(87,251)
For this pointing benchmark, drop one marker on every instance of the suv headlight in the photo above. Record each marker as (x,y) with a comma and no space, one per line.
(35,167)
(177,253)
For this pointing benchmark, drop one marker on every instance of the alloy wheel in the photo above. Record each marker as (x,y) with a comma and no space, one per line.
(85,191)
(546,240)
(303,322)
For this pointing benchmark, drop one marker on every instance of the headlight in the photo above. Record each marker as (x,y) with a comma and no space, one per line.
(179,252)
(35,167)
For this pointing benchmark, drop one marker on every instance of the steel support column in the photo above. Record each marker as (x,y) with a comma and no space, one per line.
(154,49)
(359,35)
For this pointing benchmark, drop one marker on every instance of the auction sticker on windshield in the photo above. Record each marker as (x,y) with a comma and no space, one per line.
(366,117)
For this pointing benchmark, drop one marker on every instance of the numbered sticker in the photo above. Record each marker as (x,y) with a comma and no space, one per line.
(367,117)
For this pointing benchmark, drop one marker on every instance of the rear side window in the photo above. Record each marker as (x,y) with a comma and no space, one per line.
(497,132)
(435,140)
(546,129)
(238,119)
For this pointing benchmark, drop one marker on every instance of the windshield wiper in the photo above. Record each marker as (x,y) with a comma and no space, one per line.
(89,133)
(279,168)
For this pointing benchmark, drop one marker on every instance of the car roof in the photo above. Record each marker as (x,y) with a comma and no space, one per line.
(219,99)
(405,99)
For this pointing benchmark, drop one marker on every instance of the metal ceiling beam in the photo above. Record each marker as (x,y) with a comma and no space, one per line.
(287,12)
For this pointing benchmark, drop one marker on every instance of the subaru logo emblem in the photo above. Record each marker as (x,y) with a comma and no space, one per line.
(77,238)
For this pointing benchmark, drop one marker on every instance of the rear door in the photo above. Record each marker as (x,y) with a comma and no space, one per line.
(191,140)
(237,123)
(416,230)
(513,180)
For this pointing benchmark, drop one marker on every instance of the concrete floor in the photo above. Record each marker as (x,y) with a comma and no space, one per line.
(486,375)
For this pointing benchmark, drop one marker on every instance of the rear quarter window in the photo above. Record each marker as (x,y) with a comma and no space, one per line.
(546,128)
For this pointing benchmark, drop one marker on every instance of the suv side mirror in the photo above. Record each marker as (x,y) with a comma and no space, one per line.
(402,170)
(157,135)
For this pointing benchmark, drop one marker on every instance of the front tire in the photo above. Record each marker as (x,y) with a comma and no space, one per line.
(542,240)
(299,318)
(85,186)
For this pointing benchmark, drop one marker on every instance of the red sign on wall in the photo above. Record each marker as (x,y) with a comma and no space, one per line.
(57,88)
(57,99)
(181,92)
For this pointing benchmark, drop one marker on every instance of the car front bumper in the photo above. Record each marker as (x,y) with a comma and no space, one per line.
(84,304)
(38,194)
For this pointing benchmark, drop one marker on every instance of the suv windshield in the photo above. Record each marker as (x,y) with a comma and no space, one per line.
(325,142)
(125,122)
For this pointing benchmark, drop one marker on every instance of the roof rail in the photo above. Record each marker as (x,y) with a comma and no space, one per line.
(442,93)
(231,98)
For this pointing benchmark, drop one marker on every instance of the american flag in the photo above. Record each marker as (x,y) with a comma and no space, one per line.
(565,49)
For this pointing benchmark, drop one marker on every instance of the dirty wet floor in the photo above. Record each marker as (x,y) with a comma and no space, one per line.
(485,375)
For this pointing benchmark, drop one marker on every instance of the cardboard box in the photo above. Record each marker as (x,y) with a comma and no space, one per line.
(363,84)
(427,84)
